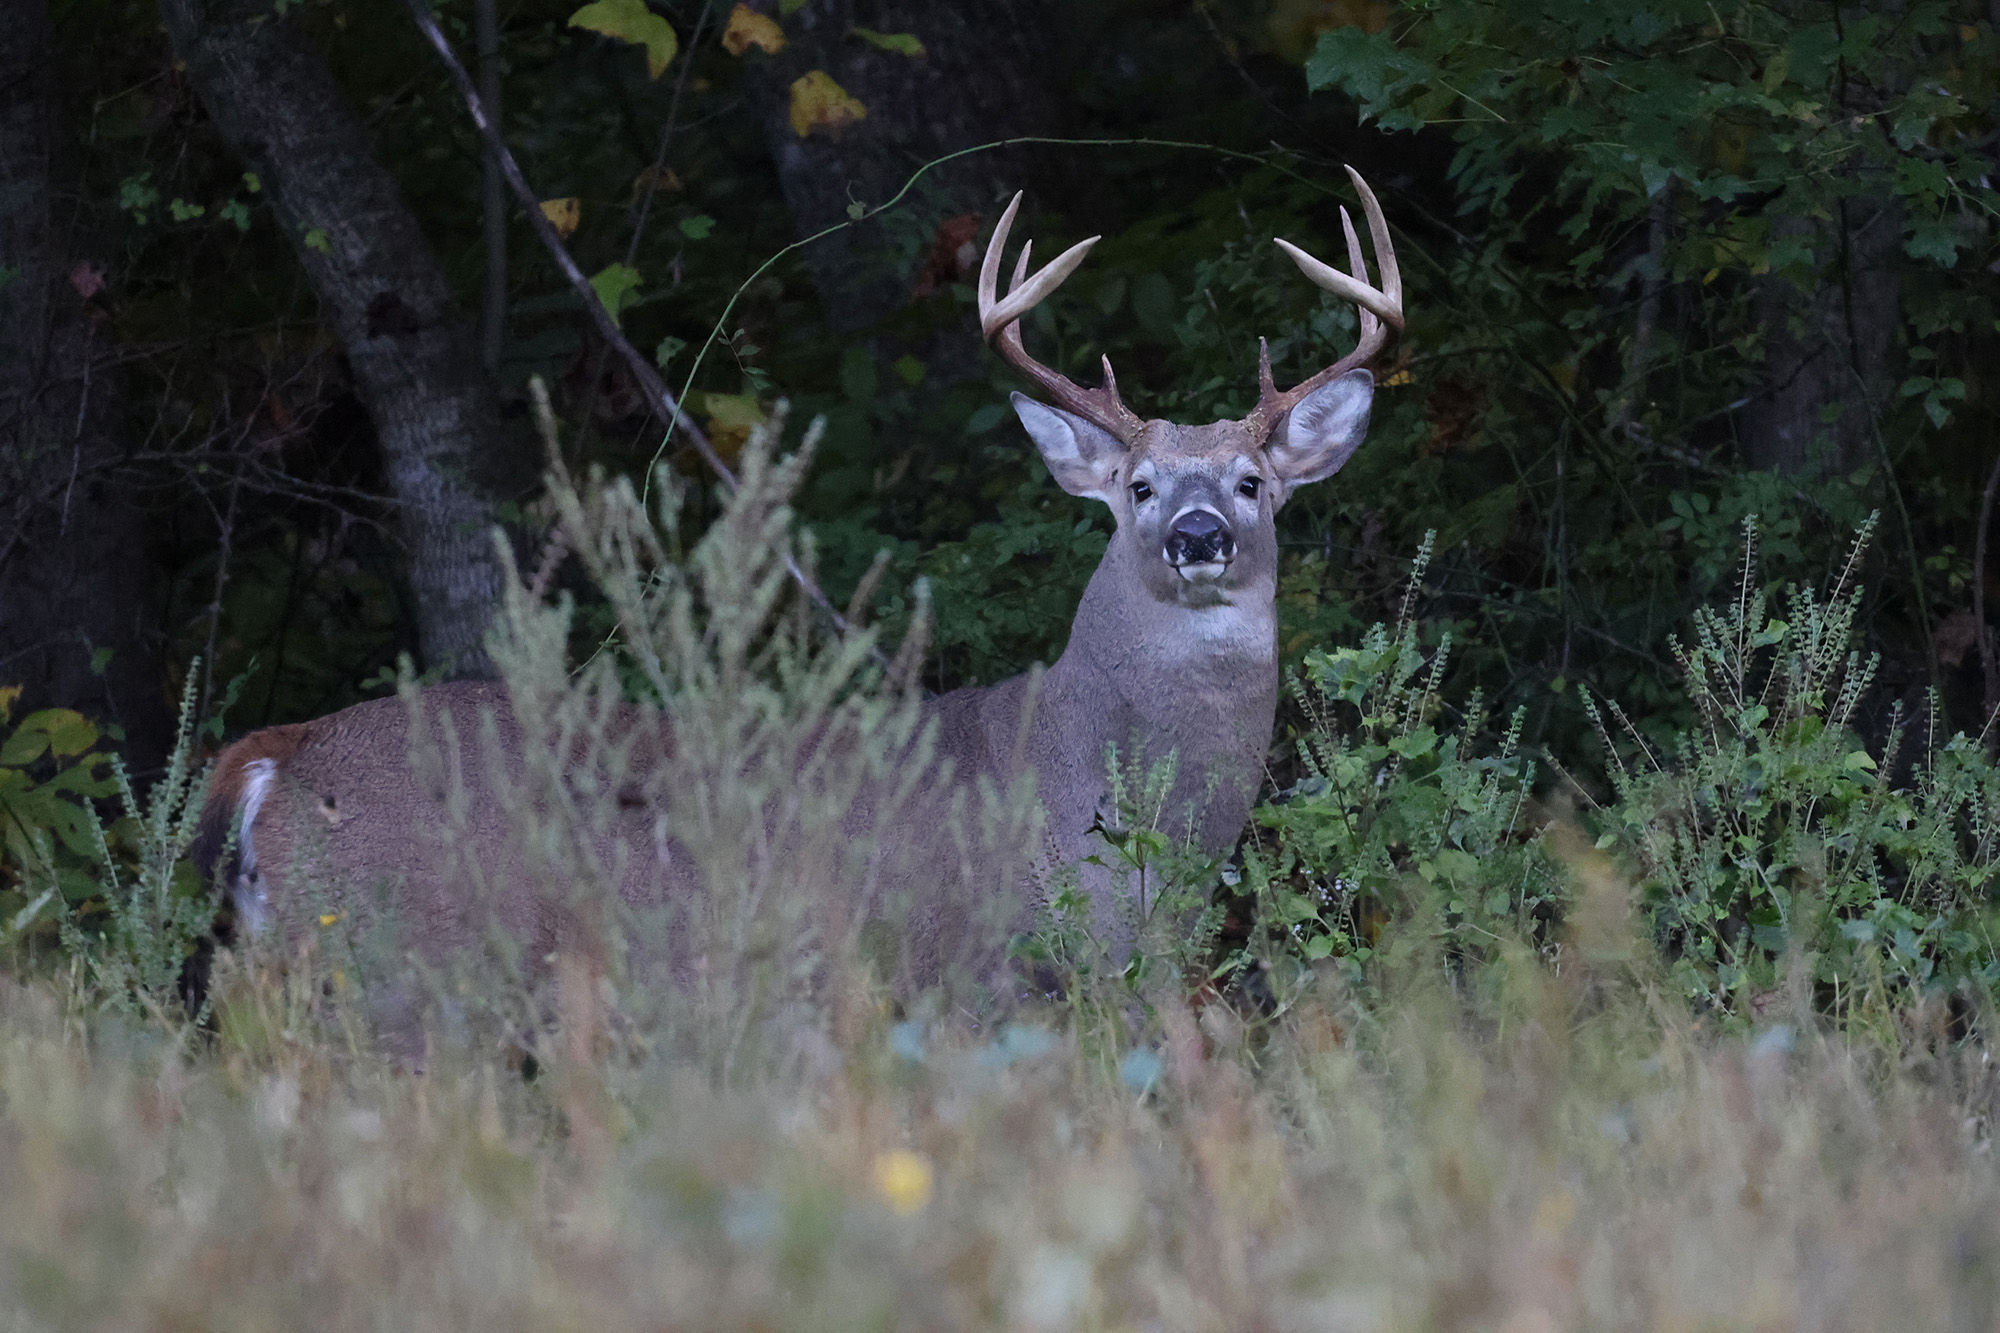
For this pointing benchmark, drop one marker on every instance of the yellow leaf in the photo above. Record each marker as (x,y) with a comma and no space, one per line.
(630,21)
(818,103)
(748,28)
(730,419)
(904,1180)
(565,213)
(8,694)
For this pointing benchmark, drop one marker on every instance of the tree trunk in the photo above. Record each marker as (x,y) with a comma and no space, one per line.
(78,623)
(1828,348)
(983,76)
(414,356)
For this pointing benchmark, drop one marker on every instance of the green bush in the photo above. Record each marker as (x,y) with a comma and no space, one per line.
(1773,831)
(1394,818)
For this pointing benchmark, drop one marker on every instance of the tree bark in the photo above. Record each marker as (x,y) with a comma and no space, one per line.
(1828,348)
(414,355)
(983,76)
(74,574)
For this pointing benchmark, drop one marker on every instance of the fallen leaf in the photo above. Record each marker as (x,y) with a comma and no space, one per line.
(615,286)
(818,103)
(650,179)
(731,417)
(630,21)
(565,213)
(87,278)
(952,254)
(748,28)
(902,43)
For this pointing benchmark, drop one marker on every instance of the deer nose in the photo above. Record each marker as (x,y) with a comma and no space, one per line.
(1200,537)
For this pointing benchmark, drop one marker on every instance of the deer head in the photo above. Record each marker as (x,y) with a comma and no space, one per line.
(1196,505)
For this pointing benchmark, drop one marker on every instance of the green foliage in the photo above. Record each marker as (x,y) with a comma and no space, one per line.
(51,769)
(1757,111)
(1394,819)
(153,907)
(1167,910)
(1772,836)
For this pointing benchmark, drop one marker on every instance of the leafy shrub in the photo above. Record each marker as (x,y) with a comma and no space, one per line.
(1394,818)
(1772,829)
(154,908)
(50,771)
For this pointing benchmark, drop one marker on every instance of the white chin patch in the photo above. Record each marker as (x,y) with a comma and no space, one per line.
(1210,571)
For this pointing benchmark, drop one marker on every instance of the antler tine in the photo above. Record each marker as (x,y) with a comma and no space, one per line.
(1000,321)
(1378,231)
(1380,309)
(1358,265)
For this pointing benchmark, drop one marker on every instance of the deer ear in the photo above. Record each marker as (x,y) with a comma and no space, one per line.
(1083,458)
(1319,435)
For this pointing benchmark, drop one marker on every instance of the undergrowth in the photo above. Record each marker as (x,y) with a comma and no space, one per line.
(1725,1068)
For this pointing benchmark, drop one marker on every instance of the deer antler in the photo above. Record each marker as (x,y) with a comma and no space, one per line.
(1381,311)
(1000,321)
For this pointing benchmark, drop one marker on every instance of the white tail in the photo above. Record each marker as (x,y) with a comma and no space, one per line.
(1173,647)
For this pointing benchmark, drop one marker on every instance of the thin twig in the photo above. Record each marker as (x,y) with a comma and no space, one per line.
(1989,667)
(593,389)
(648,378)
(545,230)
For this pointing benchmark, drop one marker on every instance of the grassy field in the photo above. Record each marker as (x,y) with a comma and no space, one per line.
(1562,1149)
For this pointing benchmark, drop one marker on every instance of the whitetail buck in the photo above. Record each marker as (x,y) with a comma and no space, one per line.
(1173,647)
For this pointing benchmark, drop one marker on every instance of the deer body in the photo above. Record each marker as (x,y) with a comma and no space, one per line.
(1172,652)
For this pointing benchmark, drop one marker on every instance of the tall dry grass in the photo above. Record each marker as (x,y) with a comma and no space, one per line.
(1572,1153)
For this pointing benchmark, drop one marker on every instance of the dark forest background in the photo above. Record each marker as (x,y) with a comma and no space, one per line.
(268,316)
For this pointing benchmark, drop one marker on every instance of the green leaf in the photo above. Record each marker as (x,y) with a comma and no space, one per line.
(183,211)
(857,374)
(985,418)
(1937,240)
(669,348)
(57,732)
(1419,742)
(1370,68)
(630,21)
(615,285)
(698,227)
(315,239)
(902,43)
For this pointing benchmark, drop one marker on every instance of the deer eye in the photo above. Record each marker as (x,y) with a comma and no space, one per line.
(1141,492)
(1249,487)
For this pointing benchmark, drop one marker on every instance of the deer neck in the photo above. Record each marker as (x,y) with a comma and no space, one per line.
(1200,681)
(1152,650)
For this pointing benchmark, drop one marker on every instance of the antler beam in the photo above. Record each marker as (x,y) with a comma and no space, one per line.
(1000,321)
(1380,310)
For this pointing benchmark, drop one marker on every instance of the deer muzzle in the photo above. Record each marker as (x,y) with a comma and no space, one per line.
(1200,545)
